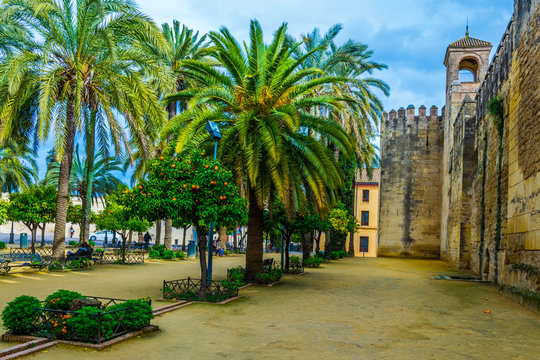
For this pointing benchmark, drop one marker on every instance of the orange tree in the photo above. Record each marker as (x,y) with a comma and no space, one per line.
(193,189)
(122,215)
(32,207)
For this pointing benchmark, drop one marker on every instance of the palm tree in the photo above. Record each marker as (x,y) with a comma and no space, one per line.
(258,96)
(84,49)
(103,173)
(182,44)
(352,62)
(18,168)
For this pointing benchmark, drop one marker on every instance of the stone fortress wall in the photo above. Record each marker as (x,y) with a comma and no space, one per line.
(489,176)
(411,146)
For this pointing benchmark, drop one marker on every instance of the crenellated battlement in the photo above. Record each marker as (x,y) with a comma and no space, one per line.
(406,118)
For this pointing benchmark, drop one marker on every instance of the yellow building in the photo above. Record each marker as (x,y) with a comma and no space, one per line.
(366,210)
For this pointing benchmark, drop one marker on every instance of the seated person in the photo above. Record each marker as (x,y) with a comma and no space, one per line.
(221,252)
(85,251)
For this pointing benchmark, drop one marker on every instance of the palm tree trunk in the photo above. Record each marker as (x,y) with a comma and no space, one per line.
(254,251)
(306,246)
(168,234)
(62,199)
(88,177)
(158,232)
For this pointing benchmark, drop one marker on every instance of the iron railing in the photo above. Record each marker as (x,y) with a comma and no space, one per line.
(98,327)
(190,289)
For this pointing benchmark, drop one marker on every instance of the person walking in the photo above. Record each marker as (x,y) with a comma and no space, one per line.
(72,231)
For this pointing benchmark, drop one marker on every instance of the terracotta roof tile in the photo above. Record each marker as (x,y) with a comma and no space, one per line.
(363,176)
(468,42)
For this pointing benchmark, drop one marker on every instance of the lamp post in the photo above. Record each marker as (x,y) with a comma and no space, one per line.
(215,134)
(282,245)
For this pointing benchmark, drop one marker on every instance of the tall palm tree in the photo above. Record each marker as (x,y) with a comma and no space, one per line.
(18,168)
(182,44)
(104,176)
(258,97)
(84,49)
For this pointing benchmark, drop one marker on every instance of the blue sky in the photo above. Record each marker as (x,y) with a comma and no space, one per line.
(409,36)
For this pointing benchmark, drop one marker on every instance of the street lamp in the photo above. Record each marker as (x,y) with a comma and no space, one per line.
(215,134)
(11,235)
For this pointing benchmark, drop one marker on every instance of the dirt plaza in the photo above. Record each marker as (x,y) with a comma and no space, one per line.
(380,308)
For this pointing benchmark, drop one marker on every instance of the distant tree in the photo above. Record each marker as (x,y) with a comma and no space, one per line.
(341,223)
(193,189)
(33,207)
(3,211)
(119,215)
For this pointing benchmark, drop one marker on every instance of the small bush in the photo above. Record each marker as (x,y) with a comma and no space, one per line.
(227,252)
(99,251)
(79,264)
(19,315)
(62,299)
(73,243)
(313,262)
(159,248)
(237,274)
(270,275)
(92,243)
(167,254)
(334,255)
(2,245)
(180,254)
(135,318)
(85,324)
(154,254)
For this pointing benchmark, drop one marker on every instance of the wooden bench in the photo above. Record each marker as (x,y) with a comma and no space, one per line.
(9,261)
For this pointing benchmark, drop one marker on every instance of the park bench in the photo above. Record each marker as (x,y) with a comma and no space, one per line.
(9,261)
(267,263)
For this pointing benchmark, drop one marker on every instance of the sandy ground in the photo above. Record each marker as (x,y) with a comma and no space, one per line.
(350,309)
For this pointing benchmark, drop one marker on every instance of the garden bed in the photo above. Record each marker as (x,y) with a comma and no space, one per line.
(70,316)
(190,289)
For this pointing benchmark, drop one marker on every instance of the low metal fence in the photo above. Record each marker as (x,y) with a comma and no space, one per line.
(190,289)
(90,327)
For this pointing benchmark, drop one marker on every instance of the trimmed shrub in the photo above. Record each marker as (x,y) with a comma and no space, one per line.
(313,262)
(85,324)
(168,254)
(227,252)
(62,299)
(79,264)
(269,276)
(91,243)
(180,254)
(236,274)
(19,315)
(154,254)
(135,318)
(73,243)
(2,245)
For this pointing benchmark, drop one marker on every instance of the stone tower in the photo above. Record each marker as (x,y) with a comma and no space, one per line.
(471,56)
(410,197)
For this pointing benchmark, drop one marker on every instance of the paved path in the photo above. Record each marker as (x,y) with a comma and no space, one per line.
(350,309)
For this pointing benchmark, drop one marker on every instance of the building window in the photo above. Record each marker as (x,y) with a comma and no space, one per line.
(364,221)
(364,244)
(365,195)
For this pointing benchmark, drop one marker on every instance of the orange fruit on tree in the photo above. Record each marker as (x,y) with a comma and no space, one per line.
(198,187)
(193,186)
(202,154)
(185,186)
(216,168)
(174,199)
(206,166)
(173,165)
(140,187)
(161,158)
(225,183)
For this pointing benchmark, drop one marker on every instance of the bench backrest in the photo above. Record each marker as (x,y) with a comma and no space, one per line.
(22,257)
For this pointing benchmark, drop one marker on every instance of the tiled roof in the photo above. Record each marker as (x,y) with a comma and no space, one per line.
(468,42)
(363,176)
